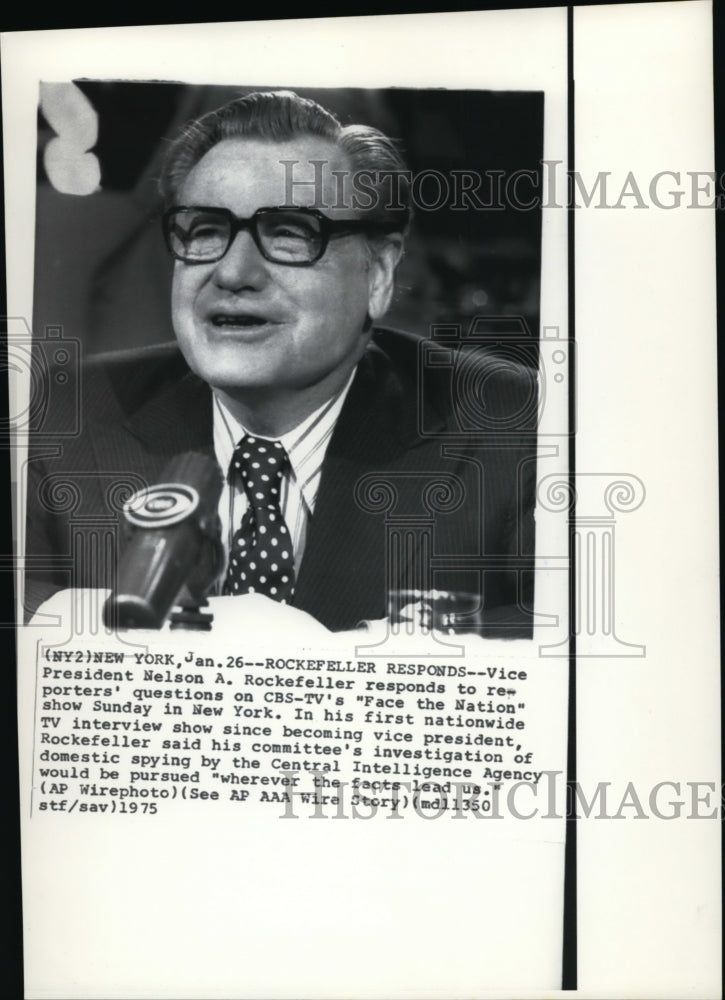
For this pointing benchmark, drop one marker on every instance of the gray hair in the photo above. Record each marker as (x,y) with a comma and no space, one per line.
(281,115)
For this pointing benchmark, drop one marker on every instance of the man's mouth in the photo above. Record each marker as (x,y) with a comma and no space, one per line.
(239,320)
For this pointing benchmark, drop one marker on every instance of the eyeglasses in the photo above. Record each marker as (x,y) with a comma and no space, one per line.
(296,237)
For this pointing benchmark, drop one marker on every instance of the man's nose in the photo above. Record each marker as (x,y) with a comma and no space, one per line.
(242,266)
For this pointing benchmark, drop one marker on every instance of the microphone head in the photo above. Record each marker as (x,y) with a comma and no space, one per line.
(190,483)
(173,543)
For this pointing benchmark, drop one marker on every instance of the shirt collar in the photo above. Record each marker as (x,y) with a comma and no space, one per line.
(306,444)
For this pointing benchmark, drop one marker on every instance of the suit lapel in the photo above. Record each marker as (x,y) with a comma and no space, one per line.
(177,420)
(342,577)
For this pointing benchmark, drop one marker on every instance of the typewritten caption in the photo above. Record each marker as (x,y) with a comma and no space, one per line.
(140,732)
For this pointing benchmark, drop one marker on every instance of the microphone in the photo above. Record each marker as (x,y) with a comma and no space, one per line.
(174,551)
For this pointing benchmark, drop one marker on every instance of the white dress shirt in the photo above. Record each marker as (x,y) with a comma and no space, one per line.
(305,445)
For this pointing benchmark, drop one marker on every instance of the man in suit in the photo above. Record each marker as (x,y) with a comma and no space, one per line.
(384,473)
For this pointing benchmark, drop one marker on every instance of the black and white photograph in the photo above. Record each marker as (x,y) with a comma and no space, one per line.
(408,373)
(341,355)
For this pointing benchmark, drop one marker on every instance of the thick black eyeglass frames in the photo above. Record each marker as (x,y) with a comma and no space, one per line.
(297,237)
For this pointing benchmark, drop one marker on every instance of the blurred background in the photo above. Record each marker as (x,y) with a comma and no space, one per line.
(101,269)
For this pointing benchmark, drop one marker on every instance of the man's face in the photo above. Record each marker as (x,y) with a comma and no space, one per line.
(255,329)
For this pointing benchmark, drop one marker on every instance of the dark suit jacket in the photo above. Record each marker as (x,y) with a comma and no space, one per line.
(428,480)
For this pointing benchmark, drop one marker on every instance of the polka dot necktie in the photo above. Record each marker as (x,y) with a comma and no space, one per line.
(261,560)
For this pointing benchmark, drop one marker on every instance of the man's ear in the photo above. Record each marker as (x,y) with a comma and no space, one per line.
(385,256)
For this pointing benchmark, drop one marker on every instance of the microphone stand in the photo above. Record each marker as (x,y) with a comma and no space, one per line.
(188,613)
